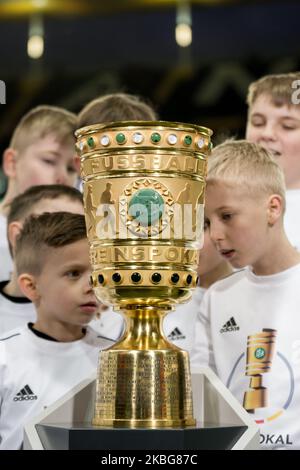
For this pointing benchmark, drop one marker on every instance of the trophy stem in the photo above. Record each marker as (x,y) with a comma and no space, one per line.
(143,380)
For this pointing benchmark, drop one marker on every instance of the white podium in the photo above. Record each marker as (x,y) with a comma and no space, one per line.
(222,423)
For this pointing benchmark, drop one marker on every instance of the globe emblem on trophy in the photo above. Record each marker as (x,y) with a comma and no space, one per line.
(146,206)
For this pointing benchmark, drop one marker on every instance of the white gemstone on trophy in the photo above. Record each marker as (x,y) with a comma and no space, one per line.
(81,146)
(137,138)
(172,139)
(105,140)
(201,143)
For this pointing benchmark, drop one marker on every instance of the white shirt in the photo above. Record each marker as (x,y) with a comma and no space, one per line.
(292,217)
(179,326)
(6,263)
(110,324)
(15,312)
(241,305)
(35,372)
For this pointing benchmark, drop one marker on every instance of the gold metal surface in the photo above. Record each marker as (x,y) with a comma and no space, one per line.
(260,352)
(144,199)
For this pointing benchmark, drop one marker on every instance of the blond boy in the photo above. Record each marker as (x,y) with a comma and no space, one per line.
(245,202)
(41,151)
(274,123)
(45,359)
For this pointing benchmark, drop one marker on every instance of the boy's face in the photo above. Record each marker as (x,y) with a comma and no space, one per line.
(45,162)
(278,130)
(238,225)
(63,292)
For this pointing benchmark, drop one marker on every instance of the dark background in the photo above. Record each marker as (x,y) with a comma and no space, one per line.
(96,47)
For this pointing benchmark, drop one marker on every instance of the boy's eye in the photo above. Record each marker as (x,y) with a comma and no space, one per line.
(73,274)
(226,216)
(48,161)
(71,169)
(206,224)
(257,122)
(288,128)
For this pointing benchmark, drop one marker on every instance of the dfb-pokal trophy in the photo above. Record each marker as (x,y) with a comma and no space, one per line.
(144,188)
(144,197)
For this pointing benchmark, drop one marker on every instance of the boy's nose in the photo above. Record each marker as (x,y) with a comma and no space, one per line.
(216,233)
(267,133)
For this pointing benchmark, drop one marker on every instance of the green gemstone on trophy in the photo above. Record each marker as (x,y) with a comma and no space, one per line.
(146,206)
(91,142)
(188,140)
(260,353)
(120,138)
(155,137)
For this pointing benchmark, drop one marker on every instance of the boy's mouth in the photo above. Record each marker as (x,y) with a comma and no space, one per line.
(89,307)
(227,253)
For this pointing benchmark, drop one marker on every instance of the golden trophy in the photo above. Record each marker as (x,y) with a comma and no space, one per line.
(144,194)
(260,352)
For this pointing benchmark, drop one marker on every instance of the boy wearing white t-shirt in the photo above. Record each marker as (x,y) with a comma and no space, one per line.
(274,123)
(44,360)
(248,326)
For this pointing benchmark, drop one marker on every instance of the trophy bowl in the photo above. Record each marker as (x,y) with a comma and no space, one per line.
(144,197)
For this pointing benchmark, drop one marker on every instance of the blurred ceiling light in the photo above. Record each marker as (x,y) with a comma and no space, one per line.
(183,31)
(35,47)
(39,3)
(35,43)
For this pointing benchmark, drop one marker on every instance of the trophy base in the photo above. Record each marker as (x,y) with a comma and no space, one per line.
(144,389)
(139,423)
(86,437)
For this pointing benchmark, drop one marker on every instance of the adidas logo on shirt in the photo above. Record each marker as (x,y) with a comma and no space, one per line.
(229,326)
(176,335)
(25,394)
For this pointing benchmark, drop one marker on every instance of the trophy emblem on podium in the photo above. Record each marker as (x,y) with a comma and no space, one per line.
(260,352)
(144,197)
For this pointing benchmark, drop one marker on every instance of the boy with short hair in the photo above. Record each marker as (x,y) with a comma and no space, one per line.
(45,359)
(41,151)
(244,209)
(115,107)
(15,309)
(274,123)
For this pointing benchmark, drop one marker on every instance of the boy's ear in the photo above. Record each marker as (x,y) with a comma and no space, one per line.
(27,284)
(13,231)
(9,162)
(275,208)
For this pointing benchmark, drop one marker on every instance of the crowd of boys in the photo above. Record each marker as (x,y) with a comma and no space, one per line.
(51,324)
